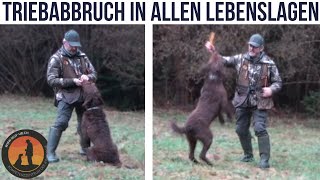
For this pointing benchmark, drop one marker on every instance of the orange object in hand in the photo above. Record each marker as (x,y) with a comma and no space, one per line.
(211,38)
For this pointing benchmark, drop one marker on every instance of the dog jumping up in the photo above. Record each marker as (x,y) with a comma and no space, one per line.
(212,102)
(95,128)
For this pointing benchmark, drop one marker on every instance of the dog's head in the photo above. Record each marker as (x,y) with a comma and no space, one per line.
(214,69)
(91,95)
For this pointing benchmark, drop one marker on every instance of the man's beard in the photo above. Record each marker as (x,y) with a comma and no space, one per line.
(68,52)
(72,52)
(253,55)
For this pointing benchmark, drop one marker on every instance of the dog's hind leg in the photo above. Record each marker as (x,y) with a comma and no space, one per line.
(206,139)
(192,146)
(91,155)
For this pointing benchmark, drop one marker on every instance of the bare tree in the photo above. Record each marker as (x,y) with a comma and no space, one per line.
(117,53)
(179,51)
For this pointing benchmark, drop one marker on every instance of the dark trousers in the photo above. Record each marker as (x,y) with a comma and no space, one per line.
(243,116)
(64,112)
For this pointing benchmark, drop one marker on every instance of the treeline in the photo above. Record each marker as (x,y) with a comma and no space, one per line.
(179,52)
(117,53)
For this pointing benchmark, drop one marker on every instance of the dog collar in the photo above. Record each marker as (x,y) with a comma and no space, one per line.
(92,108)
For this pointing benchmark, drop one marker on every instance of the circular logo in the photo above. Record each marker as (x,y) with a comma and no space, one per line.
(24,153)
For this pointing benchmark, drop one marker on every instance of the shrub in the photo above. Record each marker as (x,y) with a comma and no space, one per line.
(312,104)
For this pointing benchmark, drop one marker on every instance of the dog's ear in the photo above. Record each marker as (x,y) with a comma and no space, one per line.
(100,100)
(97,101)
(87,102)
(204,69)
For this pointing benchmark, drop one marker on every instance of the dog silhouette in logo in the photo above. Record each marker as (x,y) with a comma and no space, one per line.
(18,162)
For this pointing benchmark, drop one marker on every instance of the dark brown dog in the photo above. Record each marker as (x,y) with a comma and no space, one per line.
(95,129)
(212,102)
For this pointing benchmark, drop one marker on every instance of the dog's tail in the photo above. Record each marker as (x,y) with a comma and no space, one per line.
(177,129)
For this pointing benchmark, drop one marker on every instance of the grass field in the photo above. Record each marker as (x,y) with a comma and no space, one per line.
(38,114)
(295,151)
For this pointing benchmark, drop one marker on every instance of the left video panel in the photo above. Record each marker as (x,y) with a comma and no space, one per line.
(80,86)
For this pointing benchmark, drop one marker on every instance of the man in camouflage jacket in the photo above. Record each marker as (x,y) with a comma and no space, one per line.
(67,69)
(258,79)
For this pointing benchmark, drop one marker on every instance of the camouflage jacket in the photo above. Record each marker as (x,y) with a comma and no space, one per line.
(61,71)
(253,75)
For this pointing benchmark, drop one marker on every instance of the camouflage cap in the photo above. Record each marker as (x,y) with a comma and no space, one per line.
(73,38)
(256,40)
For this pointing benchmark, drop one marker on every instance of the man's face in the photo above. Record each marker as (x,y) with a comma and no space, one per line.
(71,49)
(254,51)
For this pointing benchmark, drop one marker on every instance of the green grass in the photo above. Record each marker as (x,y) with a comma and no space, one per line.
(295,151)
(37,113)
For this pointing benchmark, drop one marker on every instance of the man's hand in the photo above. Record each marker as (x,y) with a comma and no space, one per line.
(78,82)
(210,47)
(84,78)
(266,92)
